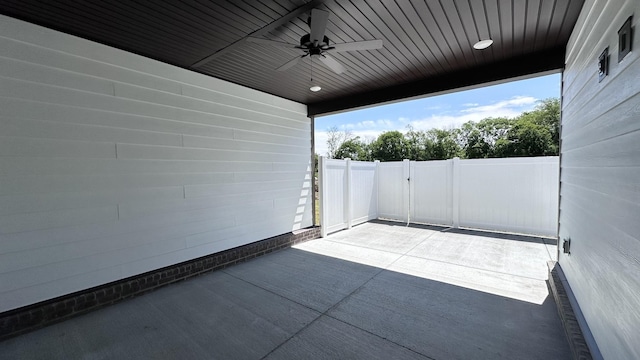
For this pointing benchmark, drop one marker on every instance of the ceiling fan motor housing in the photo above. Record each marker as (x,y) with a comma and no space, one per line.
(306,43)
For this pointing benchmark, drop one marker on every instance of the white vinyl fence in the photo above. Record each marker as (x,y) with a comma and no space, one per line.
(511,194)
(348,193)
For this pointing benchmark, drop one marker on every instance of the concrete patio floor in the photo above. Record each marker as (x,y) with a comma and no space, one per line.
(378,291)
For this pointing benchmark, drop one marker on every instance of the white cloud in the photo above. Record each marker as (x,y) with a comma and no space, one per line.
(381,124)
(321,143)
(443,121)
(507,108)
(511,105)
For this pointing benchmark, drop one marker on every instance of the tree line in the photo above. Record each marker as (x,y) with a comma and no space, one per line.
(534,133)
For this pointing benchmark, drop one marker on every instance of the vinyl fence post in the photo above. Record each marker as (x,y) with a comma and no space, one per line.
(377,180)
(322,170)
(412,190)
(455,188)
(347,194)
(406,189)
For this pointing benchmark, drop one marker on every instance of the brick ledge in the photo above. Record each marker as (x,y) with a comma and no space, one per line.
(32,317)
(579,348)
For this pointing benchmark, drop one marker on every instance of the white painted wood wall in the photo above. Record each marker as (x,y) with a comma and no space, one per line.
(600,173)
(112,164)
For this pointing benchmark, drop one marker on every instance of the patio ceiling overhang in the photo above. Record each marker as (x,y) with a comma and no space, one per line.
(428,44)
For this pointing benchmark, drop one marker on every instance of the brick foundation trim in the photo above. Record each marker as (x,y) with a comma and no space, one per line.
(35,316)
(575,337)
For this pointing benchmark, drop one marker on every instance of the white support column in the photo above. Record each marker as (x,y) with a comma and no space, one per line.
(322,168)
(313,171)
(406,189)
(455,188)
(348,211)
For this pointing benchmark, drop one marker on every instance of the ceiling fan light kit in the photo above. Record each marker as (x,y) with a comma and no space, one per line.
(315,88)
(483,44)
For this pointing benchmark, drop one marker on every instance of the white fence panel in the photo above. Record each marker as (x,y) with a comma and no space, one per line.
(348,193)
(334,190)
(513,194)
(432,192)
(364,192)
(392,202)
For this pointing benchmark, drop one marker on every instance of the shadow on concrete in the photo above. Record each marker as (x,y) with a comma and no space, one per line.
(411,225)
(431,318)
(473,232)
(296,304)
(505,236)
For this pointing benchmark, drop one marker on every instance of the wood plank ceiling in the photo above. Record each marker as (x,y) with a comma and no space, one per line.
(427,43)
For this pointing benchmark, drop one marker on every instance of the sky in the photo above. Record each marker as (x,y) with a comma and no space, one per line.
(443,111)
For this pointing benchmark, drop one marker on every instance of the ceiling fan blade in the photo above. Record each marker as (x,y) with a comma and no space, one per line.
(332,64)
(269,42)
(357,45)
(318,25)
(289,64)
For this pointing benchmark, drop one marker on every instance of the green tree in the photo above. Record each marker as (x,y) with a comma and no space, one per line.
(502,148)
(547,115)
(419,146)
(529,139)
(476,146)
(389,146)
(534,133)
(444,142)
(353,149)
(494,128)
(479,139)
(335,138)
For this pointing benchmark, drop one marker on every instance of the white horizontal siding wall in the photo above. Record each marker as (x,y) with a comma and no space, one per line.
(112,164)
(600,173)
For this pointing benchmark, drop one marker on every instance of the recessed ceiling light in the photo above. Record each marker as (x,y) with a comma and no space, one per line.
(315,88)
(482,44)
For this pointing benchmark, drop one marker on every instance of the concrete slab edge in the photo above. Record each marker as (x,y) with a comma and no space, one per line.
(32,317)
(581,349)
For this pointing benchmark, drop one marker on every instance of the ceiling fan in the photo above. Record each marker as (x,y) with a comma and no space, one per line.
(317,44)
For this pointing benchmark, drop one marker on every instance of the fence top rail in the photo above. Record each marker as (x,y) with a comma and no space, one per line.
(391,164)
(335,161)
(512,160)
(363,164)
(432,163)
